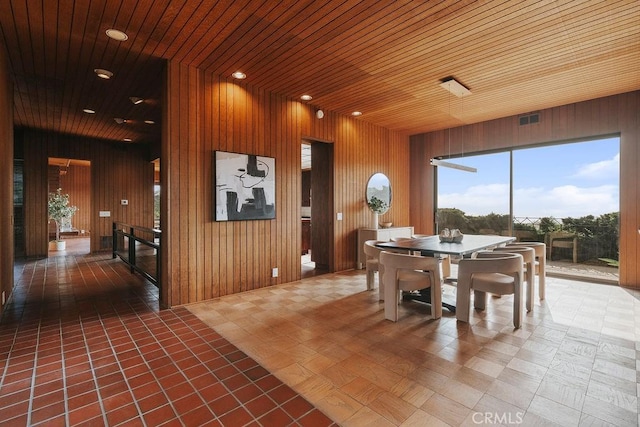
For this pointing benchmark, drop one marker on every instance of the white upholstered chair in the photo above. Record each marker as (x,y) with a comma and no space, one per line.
(541,264)
(372,263)
(402,272)
(494,272)
(529,257)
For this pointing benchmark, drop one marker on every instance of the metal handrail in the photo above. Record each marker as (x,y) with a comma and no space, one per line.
(133,235)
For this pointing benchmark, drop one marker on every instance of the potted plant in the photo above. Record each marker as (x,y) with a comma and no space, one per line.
(378,206)
(60,212)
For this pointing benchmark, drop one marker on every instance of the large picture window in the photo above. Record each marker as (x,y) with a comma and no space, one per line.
(535,191)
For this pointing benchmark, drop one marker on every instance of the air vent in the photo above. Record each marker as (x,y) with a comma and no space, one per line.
(529,119)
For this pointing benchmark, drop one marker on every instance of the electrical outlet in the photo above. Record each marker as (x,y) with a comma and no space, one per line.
(274,272)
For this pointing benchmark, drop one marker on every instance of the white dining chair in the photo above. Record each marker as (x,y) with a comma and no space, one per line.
(372,263)
(499,273)
(541,264)
(402,272)
(529,257)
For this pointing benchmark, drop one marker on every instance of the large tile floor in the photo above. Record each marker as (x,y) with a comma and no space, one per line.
(575,361)
(83,342)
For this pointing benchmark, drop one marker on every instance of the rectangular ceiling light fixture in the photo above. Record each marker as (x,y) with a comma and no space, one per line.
(455,87)
(438,162)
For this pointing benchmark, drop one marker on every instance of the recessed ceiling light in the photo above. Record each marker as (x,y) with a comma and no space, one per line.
(136,100)
(306,97)
(119,120)
(356,113)
(117,35)
(127,140)
(239,75)
(89,111)
(150,122)
(103,74)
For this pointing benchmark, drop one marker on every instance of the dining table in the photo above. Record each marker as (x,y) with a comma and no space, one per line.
(432,246)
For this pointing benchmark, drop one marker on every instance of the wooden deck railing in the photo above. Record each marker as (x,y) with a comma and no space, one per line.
(139,247)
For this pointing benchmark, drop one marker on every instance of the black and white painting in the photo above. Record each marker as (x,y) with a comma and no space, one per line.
(245,186)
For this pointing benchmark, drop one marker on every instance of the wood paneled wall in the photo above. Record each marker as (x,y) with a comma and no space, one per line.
(618,114)
(118,171)
(6,178)
(204,259)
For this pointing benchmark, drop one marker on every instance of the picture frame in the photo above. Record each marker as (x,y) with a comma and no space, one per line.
(245,187)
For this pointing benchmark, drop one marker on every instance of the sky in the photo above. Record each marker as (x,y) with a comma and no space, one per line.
(565,180)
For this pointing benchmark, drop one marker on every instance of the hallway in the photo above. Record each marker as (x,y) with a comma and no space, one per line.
(83,342)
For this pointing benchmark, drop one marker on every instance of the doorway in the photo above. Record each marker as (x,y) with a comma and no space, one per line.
(73,178)
(316,208)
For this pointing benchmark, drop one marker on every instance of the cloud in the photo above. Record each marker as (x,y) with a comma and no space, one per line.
(559,202)
(605,169)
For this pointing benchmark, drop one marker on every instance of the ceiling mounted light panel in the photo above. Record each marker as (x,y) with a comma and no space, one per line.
(239,75)
(455,87)
(117,35)
(103,74)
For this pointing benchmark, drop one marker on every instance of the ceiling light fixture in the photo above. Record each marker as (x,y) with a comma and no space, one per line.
(319,114)
(89,111)
(438,162)
(306,97)
(455,87)
(136,100)
(356,113)
(116,35)
(119,120)
(239,75)
(103,74)
(127,140)
(150,122)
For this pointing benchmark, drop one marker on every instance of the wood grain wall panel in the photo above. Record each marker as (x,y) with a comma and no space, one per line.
(117,172)
(599,117)
(206,259)
(6,178)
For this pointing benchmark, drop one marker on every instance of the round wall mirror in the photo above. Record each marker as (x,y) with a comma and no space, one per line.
(378,193)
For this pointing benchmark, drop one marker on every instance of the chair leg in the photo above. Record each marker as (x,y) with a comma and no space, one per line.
(436,301)
(370,279)
(462,302)
(479,300)
(531,287)
(542,282)
(391,299)
(446,266)
(518,307)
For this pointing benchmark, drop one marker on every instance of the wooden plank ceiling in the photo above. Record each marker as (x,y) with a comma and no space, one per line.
(384,58)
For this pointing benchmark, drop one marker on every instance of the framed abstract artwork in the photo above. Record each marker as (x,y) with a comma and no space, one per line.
(245,186)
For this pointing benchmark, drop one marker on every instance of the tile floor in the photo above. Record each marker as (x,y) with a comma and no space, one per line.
(575,362)
(83,342)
